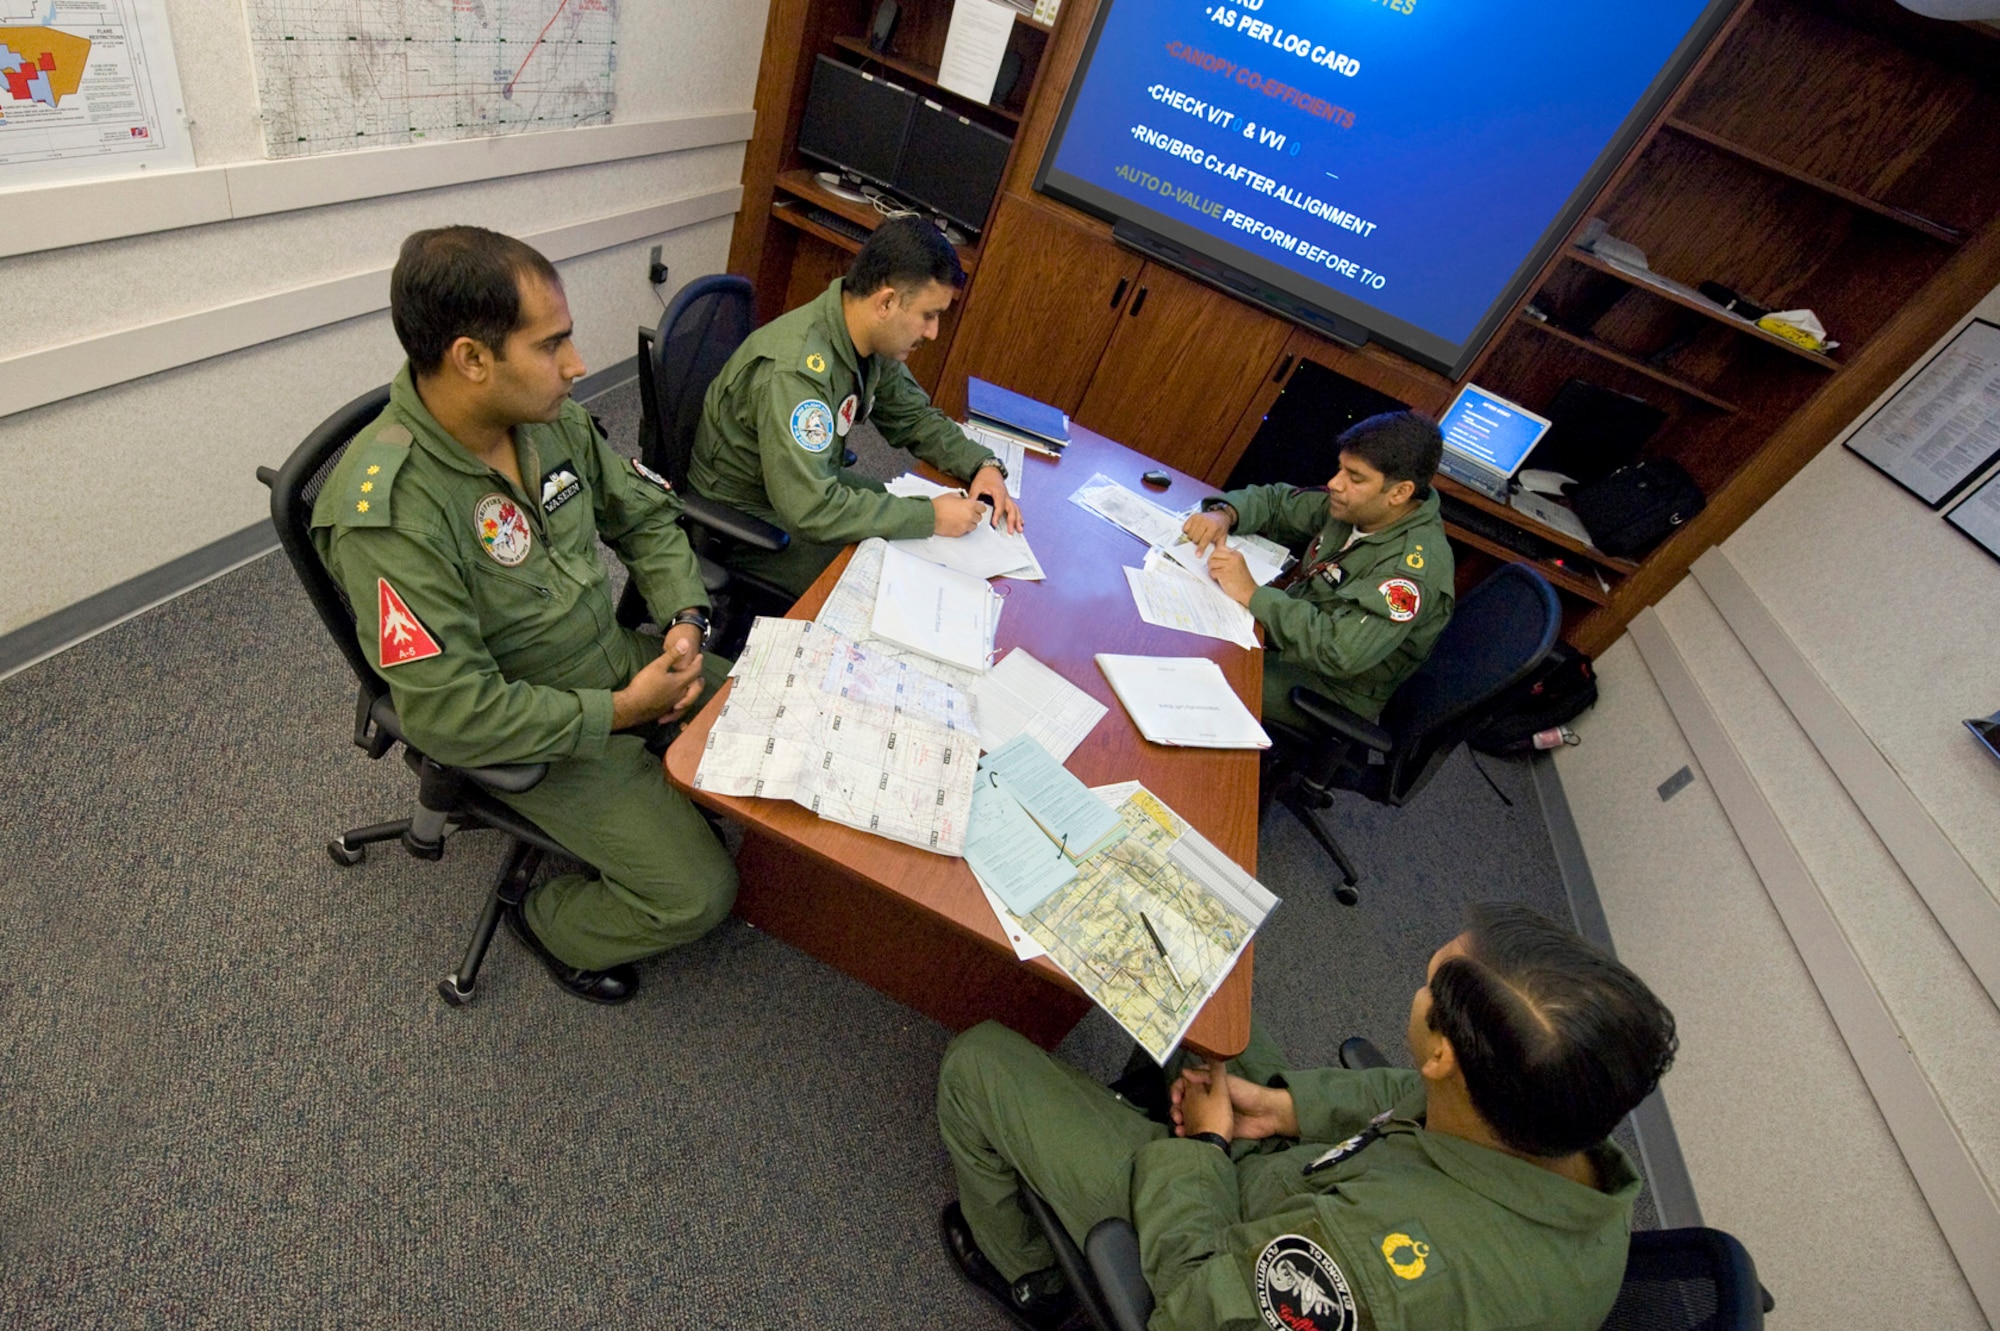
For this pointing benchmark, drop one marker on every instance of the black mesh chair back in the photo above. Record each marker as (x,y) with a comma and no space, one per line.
(700,331)
(1691,1279)
(1497,636)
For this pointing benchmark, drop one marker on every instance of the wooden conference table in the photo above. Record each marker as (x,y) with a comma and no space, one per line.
(914,924)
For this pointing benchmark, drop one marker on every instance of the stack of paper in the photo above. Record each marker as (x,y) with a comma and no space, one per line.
(1036,424)
(850,609)
(984,552)
(1021,696)
(1264,559)
(1133,512)
(1173,598)
(1011,451)
(934,610)
(1032,824)
(1182,700)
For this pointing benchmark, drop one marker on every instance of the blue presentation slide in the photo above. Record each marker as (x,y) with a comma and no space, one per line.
(1405,153)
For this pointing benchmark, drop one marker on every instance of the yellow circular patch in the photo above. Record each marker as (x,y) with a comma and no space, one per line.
(816,363)
(1410,1252)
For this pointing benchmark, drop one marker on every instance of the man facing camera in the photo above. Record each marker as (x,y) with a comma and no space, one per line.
(462,524)
(770,442)
(1478,1190)
(1373,589)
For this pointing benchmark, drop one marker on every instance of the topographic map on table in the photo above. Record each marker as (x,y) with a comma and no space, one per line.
(371,73)
(1165,875)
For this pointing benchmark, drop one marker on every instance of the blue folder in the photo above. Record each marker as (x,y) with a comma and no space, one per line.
(1011,411)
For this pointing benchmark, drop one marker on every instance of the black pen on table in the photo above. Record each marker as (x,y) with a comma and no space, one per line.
(1161,947)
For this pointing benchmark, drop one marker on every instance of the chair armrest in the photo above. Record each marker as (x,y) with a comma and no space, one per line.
(726,521)
(1358,1051)
(1349,726)
(714,577)
(507,778)
(1112,1250)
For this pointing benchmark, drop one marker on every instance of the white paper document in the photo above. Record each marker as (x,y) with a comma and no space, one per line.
(1021,696)
(1264,559)
(850,609)
(1024,944)
(1173,598)
(912,486)
(974,45)
(934,610)
(1009,449)
(1133,512)
(984,552)
(1182,700)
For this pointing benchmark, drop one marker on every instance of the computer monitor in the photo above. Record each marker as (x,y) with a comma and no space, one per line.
(855,122)
(1486,437)
(1594,431)
(951,165)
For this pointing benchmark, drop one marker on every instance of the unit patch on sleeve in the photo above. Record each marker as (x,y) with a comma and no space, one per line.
(403,639)
(646,473)
(559,487)
(846,421)
(1403,597)
(812,425)
(503,530)
(1300,1288)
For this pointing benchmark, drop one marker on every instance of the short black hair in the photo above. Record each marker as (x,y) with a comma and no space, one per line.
(1402,445)
(1556,1039)
(903,252)
(460,281)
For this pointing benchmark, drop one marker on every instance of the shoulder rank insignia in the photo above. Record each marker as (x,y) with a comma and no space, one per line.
(1407,1251)
(816,363)
(1415,559)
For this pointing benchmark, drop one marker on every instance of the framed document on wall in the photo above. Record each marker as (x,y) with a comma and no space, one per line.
(1942,428)
(1979,516)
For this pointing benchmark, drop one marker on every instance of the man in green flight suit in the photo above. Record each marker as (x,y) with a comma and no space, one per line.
(462,524)
(1373,588)
(769,442)
(1479,1190)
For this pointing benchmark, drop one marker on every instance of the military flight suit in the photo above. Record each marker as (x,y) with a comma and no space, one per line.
(1351,624)
(771,432)
(487,611)
(1406,1229)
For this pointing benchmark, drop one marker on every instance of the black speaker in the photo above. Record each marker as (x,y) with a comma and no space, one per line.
(883,24)
(1010,74)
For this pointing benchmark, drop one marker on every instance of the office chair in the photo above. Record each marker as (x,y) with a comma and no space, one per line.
(700,330)
(1498,634)
(449,799)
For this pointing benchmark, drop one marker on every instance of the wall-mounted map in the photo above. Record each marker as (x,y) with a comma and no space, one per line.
(87,88)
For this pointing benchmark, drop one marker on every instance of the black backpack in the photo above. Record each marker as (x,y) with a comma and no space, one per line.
(1636,507)
(1561,688)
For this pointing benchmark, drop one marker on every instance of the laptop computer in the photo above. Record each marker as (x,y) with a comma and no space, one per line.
(1486,438)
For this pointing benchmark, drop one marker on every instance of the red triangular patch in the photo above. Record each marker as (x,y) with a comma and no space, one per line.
(403,639)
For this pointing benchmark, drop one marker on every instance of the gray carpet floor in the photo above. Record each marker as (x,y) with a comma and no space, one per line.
(229,1094)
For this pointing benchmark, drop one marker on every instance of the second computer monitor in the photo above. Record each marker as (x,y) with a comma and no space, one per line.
(951,165)
(855,122)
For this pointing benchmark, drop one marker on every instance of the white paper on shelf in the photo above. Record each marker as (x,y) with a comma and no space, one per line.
(1134,513)
(1182,700)
(974,46)
(934,610)
(1010,450)
(1173,598)
(1021,696)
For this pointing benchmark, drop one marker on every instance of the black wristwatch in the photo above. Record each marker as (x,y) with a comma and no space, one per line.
(696,617)
(1215,505)
(994,463)
(1215,1139)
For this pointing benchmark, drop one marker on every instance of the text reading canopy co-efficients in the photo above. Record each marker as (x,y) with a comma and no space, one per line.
(1256,106)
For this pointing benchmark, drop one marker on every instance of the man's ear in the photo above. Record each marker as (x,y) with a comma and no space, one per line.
(1402,492)
(1437,1060)
(470,358)
(883,303)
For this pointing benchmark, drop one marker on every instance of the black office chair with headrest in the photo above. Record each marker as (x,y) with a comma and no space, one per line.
(449,799)
(1498,634)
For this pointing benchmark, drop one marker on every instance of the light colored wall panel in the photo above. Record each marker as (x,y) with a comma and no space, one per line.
(1784,1144)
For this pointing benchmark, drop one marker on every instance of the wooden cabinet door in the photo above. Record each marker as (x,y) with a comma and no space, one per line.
(1042,305)
(1183,363)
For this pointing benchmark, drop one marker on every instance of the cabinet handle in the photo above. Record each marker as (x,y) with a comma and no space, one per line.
(1284,368)
(1119,294)
(1138,301)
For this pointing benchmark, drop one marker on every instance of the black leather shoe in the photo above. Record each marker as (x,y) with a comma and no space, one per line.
(1038,1301)
(616,985)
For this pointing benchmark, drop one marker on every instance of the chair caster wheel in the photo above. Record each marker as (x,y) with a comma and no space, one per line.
(1346,895)
(344,855)
(449,991)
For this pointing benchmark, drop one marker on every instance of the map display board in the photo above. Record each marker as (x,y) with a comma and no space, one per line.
(374,73)
(87,88)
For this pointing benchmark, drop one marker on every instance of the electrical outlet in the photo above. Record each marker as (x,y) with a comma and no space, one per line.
(656,272)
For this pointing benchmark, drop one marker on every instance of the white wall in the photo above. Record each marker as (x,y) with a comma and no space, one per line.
(1899,616)
(115,482)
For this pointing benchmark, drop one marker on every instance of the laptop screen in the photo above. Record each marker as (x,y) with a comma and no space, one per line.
(1490,431)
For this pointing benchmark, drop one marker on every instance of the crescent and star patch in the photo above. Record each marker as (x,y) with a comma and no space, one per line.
(404,639)
(812,425)
(503,530)
(1403,597)
(1300,1288)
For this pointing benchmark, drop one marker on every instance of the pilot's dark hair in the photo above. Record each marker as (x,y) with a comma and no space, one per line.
(459,281)
(904,253)
(1402,445)
(1556,1039)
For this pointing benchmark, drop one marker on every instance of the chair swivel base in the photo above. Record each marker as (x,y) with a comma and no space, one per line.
(1303,805)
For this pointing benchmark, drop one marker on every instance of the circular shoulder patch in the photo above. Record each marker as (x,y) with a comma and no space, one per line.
(812,425)
(1404,598)
(1299,1288)
(503,530)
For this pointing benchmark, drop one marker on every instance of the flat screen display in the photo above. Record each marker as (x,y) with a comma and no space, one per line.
(1404,165)
(855,122)
(952,165)
(1489,430)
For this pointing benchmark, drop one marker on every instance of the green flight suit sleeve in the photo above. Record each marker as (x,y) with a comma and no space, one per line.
(640,519)
(1284,513)
(906,418)
(810,499)
(1332,1104)
(1353,633)
(455,705)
